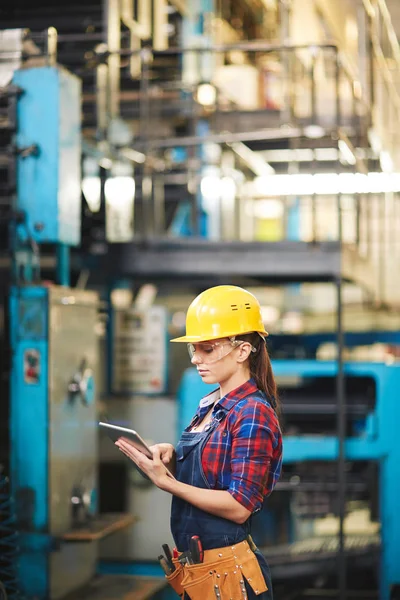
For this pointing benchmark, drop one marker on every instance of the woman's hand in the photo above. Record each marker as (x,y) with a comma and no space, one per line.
(167,454)
(154,469)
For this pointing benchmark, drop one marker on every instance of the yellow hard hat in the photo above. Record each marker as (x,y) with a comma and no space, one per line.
(222,311)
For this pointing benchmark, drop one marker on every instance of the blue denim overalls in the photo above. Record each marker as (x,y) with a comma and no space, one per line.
(187,520)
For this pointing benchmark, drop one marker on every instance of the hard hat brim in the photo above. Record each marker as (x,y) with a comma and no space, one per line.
(191,339)
(188,339)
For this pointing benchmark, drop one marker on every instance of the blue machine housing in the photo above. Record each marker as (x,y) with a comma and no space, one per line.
(53,432)
(378,441)
(49,180)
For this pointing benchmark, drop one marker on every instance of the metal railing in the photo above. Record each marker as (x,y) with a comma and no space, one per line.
(272,85)
(303,98)
(311,101)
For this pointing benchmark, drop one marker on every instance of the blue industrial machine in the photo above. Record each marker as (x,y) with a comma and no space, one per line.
(53,455)
(47,207)
(53,436)
(309,416)
(49,178)
(52,336)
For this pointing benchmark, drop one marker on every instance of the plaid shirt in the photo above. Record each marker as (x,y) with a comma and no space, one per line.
(244,453)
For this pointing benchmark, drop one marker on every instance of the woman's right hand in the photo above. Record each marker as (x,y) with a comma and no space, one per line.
(167,454)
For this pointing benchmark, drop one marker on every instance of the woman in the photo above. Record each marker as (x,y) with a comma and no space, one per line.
(229,457)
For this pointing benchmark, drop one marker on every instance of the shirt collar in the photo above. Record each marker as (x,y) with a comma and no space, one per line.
(228,401)
(211,398)
(244,390)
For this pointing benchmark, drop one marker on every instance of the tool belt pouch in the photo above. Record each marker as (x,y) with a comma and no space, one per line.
(223,579)
(175,579)
(204,581)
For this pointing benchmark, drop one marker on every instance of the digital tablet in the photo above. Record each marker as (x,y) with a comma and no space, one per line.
(116,432)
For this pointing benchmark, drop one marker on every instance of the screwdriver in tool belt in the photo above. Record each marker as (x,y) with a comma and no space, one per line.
(168,556)
(164,565)
(196,549)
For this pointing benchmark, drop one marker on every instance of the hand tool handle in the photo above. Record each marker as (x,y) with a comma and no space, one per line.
(196,549)
(168,556)
(164,565)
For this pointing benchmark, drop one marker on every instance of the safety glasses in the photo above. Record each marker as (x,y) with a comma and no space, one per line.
(211,352)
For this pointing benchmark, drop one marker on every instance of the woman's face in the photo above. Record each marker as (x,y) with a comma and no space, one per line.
(217,360)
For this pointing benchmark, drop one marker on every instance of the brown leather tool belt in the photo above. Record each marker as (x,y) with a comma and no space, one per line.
(220,576)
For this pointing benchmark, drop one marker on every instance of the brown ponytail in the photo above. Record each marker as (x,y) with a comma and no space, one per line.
(261,369)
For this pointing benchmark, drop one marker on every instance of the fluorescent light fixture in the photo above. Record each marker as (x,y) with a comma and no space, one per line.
(91,187)
(284,185)
(321,183)
(325,184)
(300,155)
(314,132)
(119,191)
(268,209)
(120,194)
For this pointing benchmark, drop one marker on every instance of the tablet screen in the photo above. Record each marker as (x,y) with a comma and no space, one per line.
(115,432)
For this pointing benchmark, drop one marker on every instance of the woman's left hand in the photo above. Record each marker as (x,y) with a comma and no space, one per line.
(154,469)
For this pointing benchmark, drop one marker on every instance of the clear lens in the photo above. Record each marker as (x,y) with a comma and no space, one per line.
(208,353)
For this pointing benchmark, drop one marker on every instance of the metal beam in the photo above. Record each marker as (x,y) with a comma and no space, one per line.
(274,262)
(280,133)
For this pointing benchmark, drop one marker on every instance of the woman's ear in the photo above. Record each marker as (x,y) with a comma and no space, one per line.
(244,352)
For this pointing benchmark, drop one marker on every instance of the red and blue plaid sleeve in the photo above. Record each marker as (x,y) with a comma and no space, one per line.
(255,454)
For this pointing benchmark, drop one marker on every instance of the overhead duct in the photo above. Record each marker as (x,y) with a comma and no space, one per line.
(140,29)
(114,59)
(160,33)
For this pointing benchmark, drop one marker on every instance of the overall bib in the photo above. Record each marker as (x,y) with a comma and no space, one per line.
(187,520)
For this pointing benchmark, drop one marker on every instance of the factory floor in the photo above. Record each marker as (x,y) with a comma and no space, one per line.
(328,594)
(120,587)
(117,587)
(361,584)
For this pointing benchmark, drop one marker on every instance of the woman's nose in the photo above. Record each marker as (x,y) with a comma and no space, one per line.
(195,359)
